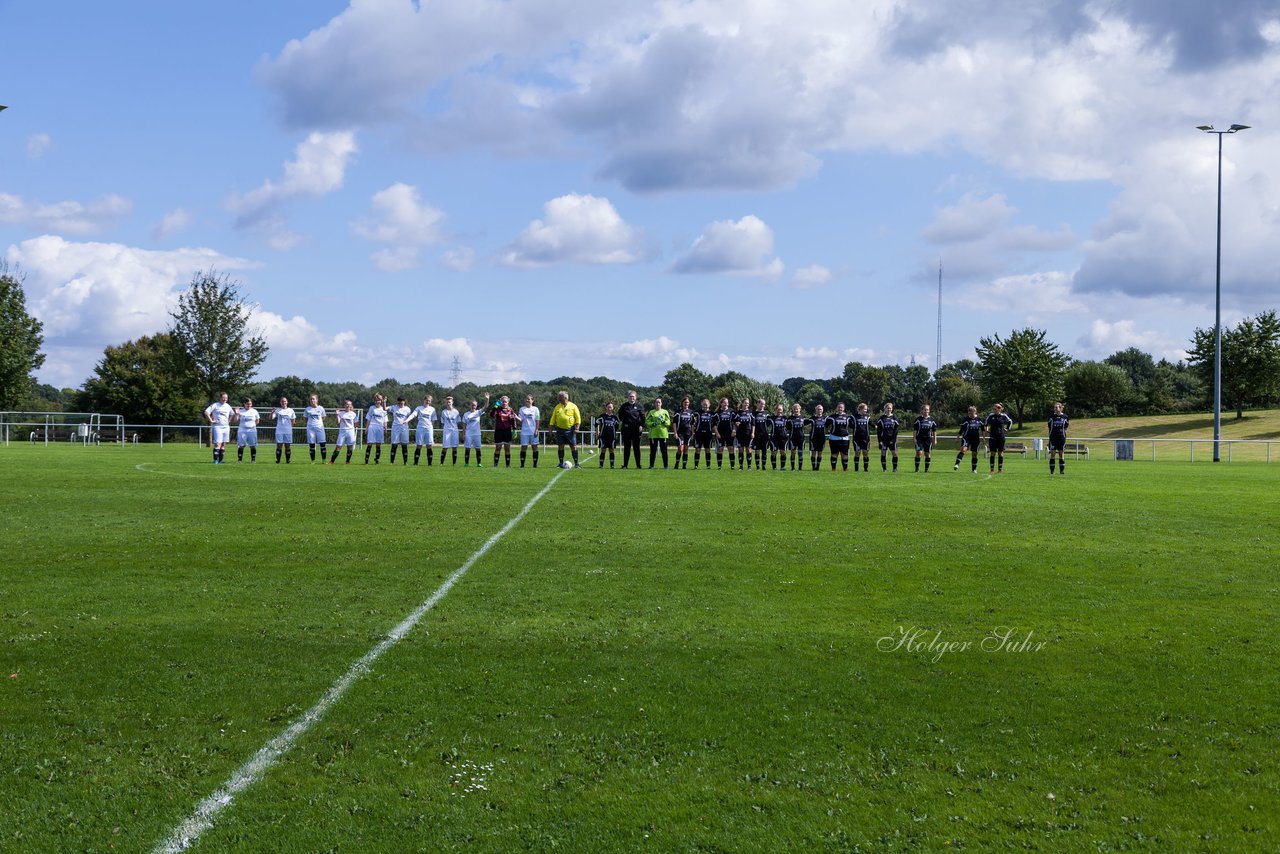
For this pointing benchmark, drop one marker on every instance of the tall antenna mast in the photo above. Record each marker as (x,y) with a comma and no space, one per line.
(455,375)
(937,365)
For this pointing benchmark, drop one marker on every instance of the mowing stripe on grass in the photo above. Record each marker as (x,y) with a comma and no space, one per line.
(202,818)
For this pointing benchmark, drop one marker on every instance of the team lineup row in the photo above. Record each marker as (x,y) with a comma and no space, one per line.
(748,435)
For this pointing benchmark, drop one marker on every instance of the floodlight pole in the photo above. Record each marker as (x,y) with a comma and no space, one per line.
(1217,301)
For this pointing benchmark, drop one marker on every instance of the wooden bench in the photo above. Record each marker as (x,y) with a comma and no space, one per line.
(1015,448)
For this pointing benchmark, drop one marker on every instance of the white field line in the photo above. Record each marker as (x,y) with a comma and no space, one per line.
(203,816)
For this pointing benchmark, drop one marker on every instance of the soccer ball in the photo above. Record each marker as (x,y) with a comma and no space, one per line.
(566,465)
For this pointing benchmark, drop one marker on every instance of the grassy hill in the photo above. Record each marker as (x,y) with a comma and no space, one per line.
(1260,424)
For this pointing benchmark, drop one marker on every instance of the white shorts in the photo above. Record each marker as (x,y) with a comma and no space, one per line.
(399,434)
(426,436)
(346,436)
(315,435)
(449,438)
(221,434)
(471,440)
(376,434)
(247,438)
(284,436)
(528,438)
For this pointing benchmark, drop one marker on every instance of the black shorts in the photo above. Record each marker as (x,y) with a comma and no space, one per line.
(839,444)
(861,444)
(723,441)
(923,446)
(702,440)
(995,444)
(683,438)
(760,443)
(970,443)
(816,443)
(1058,443)
(743,440)
(779,443)
(502,436)
(797,441)
(889,445)
(608,439)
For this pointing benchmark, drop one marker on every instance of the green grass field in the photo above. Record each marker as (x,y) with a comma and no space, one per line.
(701,661)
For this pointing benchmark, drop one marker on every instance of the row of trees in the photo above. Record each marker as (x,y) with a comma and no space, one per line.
(210,346)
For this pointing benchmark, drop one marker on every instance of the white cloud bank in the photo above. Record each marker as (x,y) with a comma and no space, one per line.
(579,229)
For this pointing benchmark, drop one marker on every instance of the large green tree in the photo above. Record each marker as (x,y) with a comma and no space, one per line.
(20,341)
(143,381)
(1250,360)
(686,380)
(211,328)
(1020,370)
(1097,388)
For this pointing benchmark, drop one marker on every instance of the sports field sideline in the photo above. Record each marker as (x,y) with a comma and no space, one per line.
(659,660)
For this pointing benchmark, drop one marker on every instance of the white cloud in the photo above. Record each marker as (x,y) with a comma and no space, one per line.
(815,275)
(971,219)
(1105,337)
(70,217)
(661,348)
(1032,295)
(459,260)
(740,248)
(38,144)
(95,294)
(579,229)
(318,168)
(401,220)
(176,220)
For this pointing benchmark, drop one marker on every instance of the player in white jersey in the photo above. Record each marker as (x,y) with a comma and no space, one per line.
(346,432)
(425,434)
(284,417)
(530,415)
(400,416)
(449,418)
(219,417)
(315,427)
(375,429)
(247,433)
(471,433)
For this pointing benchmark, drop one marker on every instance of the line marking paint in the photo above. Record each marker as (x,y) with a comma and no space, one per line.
(203,816)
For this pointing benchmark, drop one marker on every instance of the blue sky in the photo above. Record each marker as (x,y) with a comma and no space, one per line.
(553,187)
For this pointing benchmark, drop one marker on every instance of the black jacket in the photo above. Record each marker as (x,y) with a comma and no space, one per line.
(632,417)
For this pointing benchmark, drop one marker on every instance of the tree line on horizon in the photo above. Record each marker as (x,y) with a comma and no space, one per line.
(210,346)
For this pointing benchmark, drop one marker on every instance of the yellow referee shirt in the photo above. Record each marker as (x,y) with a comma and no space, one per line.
(566,415)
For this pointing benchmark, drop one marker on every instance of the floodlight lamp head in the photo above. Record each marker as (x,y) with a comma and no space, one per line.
(1205,128)
(1235,128)
(3,107)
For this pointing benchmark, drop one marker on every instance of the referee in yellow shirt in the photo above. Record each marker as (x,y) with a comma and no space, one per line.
(565,420)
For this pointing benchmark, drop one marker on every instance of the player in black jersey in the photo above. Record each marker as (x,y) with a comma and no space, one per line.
(795,439)
(683,422)
(760,432)
(997,424)
(744,423)
(779,432)
(887,436)
(1058,423)
(970,438)
(817,436)
(607,424)
(839,429)
(724,418)
(861,438)
(926,435)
